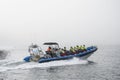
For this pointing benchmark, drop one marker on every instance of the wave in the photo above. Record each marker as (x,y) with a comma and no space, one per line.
(13,60)
(4,51)
(3,54)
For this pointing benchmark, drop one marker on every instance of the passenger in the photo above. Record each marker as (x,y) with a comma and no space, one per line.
(62,52)
(84,48)
(64,49)
(72,51)
(75,49)
(80,48)
(57,52)
(49,51)
(53,51)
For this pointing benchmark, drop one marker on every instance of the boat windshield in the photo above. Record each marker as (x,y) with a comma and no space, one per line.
(35,49)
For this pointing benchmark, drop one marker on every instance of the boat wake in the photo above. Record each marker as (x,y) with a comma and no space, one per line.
(15,65)
(14,61)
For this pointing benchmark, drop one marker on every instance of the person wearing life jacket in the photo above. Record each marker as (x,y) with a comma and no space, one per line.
(77,49)
(61,51)
(64,49)
(83,48)
(80,48)
(72,50)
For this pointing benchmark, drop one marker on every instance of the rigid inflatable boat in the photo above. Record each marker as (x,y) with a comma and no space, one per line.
(82,55)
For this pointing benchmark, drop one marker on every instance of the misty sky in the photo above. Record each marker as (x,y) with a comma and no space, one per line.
(65,21)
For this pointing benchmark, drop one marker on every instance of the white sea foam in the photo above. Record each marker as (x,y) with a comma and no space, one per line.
(28,65)
(15,61)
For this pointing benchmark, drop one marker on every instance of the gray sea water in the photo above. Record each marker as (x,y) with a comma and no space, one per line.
(104,64)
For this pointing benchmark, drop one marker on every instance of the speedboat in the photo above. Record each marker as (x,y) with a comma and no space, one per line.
(37,55)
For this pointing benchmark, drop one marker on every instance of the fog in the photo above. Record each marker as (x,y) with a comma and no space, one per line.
(69,22)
